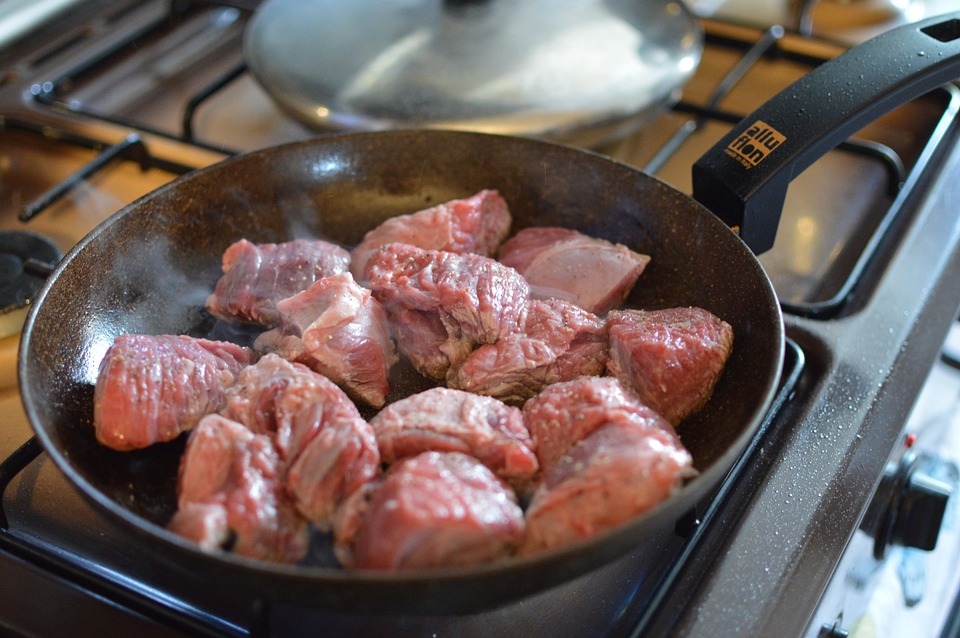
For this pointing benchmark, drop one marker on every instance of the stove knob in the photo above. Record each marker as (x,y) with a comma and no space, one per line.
(909,506)
(919,516)
(832,631)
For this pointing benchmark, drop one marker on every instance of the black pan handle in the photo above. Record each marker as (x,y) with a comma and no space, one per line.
(744,178)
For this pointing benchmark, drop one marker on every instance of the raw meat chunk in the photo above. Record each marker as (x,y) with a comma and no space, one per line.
(437,509)
(151,388)
(564,413)
(428,342)
(449,420)
(620,470)
(476,224)
(257,276)
(593,273)
(329,450)
(560,342)
(230,495)
(277,397)
(338,329)
(443,304)
(337,462)
(672,358)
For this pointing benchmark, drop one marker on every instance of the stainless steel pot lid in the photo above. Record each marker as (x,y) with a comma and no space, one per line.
(564,69)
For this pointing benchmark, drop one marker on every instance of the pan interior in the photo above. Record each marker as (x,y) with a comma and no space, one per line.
(149,268)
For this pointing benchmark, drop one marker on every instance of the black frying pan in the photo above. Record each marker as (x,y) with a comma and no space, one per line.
(148,268)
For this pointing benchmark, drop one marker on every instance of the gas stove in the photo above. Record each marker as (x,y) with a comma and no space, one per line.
(102,102)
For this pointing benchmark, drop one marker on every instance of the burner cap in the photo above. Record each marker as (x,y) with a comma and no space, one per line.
(19,279)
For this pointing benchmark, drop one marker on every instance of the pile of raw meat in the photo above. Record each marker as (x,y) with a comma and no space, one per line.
(549,419)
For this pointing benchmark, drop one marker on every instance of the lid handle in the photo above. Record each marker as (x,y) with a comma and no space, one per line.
(743,179)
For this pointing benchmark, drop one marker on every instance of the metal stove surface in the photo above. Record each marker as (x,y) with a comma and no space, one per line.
(869,296)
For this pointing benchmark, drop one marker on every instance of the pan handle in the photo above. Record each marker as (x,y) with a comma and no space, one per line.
(743,179)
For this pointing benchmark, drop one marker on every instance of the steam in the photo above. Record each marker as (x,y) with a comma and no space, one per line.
(156,287)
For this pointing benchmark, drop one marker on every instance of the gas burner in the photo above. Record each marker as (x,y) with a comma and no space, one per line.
(25,261)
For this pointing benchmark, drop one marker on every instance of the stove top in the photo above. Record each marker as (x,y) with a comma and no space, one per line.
(114,99)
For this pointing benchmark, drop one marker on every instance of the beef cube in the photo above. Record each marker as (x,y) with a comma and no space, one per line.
(564,413)
(149,388)
(448,420)
(562,263)
(329,449)
(428,341)
(476,224)
(230,495)
(334,464)
(257,276)
(443,304)
(437,509)
(560,342)
(672,358)
(622,469)
(338,329)
(277,397)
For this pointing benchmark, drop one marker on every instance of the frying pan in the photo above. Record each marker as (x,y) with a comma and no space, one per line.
(580,71)
(147,269)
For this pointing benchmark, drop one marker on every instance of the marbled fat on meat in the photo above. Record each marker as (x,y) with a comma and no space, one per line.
(275,396)
(150,388)
(437,509)
(443,304)
(329,450)
(337,328)
(563,263)
(476,224)
(672,358)
(257,276)
(336,463)
(230,495)
(560,342)
(448,420)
